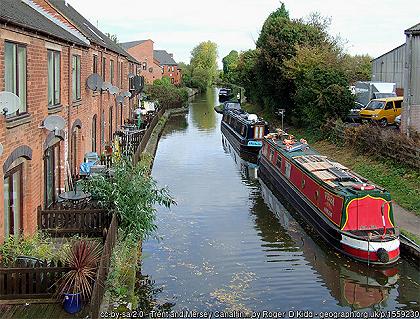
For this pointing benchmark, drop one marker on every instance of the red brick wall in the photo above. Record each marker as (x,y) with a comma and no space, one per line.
(143,52)
(172,72)
(32,135)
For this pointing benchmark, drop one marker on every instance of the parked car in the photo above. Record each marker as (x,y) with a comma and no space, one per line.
(353,115)
(398,121)
(382,111)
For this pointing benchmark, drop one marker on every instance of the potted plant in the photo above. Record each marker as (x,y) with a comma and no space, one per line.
(76,285)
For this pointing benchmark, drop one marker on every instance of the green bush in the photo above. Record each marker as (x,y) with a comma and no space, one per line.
(168,95)
(38,245)
(132,193)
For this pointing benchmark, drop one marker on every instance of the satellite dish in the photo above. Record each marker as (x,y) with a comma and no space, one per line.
(120,99)
(131,75)
(126,94)
(113,90)
(1,149)
(106,86)
(9,102)
(54,123)
(94,82)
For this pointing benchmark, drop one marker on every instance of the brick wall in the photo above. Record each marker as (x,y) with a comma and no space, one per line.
(173,73)
(143,52)
(29,133)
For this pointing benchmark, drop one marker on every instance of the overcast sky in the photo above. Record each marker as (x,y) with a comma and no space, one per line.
(372,26)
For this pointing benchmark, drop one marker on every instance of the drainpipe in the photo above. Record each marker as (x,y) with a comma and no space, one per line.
(101,118)
(70,100)
(409,65)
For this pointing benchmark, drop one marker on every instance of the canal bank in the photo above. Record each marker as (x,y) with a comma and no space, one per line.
(227,246)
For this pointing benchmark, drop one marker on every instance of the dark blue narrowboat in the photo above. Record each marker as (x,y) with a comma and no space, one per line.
(244,131)
(224,94)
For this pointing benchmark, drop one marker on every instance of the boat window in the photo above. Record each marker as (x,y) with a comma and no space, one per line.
(278,161)
(271,155)
(243,130)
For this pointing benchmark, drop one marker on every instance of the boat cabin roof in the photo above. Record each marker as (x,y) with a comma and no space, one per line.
(337,177)
(243,117)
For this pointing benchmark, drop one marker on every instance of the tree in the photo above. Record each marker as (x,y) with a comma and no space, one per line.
(321,85)
(277,43)
(246,73)
(113,37)
(230,63)
(186,73)
(204,63)
(358,67)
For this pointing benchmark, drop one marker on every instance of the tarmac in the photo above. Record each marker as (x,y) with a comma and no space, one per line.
(406,220)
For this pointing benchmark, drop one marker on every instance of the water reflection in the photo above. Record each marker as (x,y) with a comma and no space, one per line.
(175,124)
(350,283)
(203,114)
(247,169)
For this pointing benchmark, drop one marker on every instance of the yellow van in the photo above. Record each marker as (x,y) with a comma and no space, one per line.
(382,111)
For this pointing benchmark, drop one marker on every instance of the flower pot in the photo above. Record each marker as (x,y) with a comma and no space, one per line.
(72,303)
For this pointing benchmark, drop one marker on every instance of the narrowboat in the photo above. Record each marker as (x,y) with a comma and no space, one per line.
(244,131)
(349,212)
(224,94)
(228,105)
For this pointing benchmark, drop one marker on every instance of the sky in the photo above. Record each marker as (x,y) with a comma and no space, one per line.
(369,27)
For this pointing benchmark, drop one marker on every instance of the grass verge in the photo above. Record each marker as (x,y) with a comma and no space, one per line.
(411,236)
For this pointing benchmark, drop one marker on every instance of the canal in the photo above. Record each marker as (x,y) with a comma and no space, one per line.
(229,244)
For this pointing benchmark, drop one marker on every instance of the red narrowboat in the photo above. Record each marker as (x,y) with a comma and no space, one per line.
(348,211)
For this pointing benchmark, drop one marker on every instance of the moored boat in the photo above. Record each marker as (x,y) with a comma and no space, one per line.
(352,214)
(244,131)
(224,94)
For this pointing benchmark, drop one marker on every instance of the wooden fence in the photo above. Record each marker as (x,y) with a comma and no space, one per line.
(103,269)
(34,282)
(68,222)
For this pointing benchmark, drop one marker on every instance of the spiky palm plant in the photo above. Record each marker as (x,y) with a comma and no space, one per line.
(83,258)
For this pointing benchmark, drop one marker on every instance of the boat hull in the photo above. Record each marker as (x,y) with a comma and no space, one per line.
(240,145)
(350,245)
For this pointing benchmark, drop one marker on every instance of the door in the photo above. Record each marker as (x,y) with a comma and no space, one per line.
(389,112)
(13,201)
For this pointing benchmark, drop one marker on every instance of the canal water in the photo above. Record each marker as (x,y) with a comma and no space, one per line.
(229,244)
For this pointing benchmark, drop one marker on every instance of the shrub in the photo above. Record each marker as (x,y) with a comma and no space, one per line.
(168,95)
(133,194)
(38,245)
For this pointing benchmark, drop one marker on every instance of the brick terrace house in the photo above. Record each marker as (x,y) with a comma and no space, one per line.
(168,65)
(142,50)
(47,51)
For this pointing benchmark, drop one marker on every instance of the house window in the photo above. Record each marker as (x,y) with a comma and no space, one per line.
(144,65)
(172,80)
(13,201)
(172,69)
(95,64)
(15,72)
(52,173)
(94,133)
(111,72)
(53,78)
(76,78)
(104,69)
